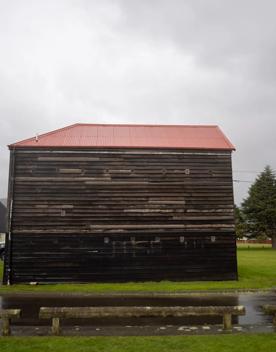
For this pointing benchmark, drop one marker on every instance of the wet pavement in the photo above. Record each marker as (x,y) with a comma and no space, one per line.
(254,321)
(137,330)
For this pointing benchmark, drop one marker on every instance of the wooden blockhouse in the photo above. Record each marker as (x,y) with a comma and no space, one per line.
(114,203)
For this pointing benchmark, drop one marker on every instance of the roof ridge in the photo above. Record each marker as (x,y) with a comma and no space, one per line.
(143,125)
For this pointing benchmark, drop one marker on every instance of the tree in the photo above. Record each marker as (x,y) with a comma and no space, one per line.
(240,223)
(259,208)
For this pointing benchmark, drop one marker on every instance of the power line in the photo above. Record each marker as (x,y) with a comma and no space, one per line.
(240,181)
(250,171)
(247,171)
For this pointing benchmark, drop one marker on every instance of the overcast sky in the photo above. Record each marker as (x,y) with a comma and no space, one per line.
(141,61)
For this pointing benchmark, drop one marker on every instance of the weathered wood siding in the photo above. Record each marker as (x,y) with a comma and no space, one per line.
(121,214)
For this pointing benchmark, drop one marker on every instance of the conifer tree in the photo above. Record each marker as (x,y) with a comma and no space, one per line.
(259,208)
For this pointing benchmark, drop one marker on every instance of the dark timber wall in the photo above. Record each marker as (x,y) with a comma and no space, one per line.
(120,215)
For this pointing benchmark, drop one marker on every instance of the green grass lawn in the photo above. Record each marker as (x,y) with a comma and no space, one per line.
(257,270)
(221,343)
(254,245)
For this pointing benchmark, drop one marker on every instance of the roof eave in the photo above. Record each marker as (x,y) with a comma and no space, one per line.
(20,146)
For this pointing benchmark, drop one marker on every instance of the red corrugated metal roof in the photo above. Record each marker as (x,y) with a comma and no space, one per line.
(131,136)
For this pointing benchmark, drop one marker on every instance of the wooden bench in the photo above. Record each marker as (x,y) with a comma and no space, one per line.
(57,313)
(271,310)
(6,315)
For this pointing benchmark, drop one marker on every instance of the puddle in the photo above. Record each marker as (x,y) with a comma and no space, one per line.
(254,318)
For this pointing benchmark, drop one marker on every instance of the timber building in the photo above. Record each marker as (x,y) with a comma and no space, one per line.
(107,203)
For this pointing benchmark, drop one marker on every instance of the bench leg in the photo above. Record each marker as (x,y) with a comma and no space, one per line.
(227,321)
(55,326)
(6,330)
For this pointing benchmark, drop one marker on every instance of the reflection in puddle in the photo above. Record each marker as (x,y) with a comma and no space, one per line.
(30,307)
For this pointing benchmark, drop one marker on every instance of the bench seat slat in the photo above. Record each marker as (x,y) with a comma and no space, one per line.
(135,311)
(9,313)
(269,308)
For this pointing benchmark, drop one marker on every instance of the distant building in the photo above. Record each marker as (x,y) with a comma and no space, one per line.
(103,203)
